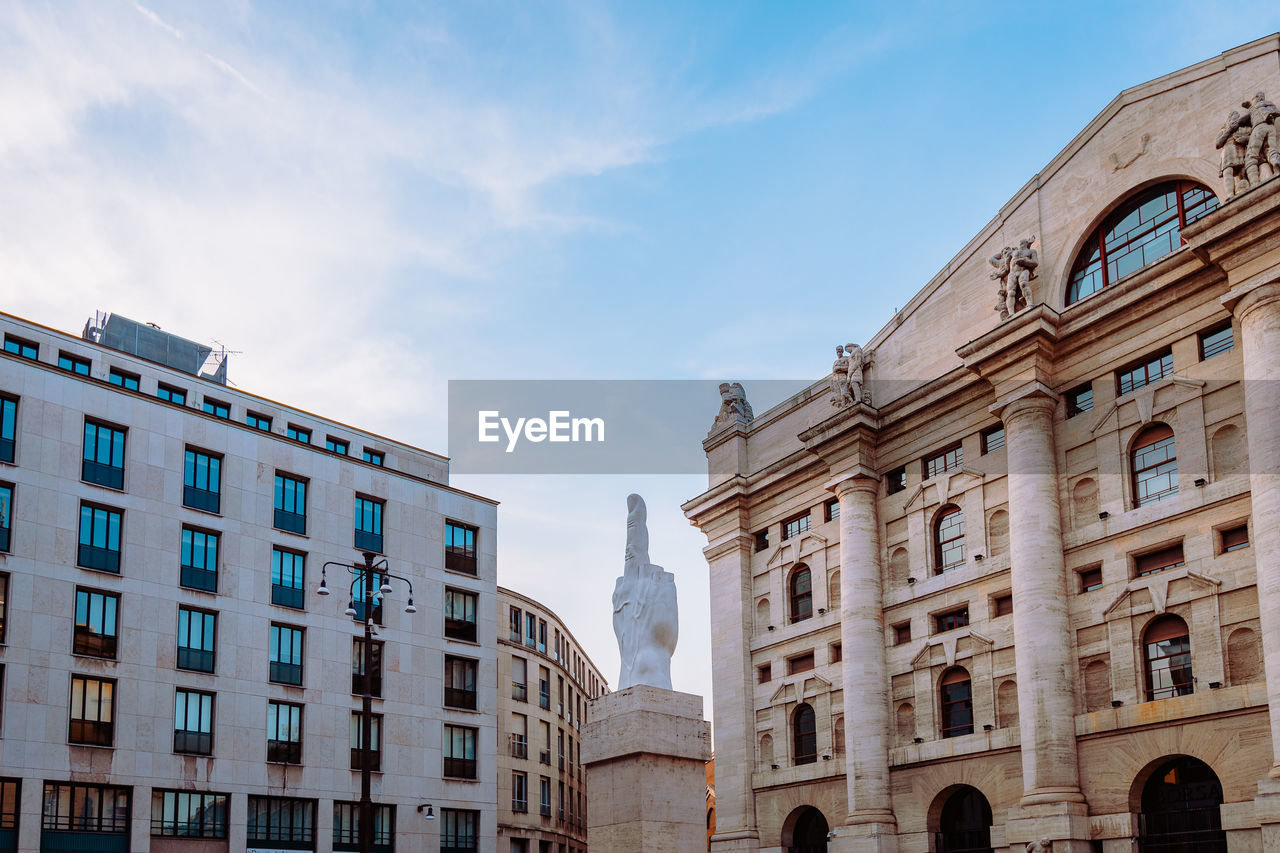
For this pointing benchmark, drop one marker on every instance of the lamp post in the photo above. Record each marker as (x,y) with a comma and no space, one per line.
(363,574)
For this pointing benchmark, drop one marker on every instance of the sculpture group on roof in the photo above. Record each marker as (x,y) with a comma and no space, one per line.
(848,376)
(1250,145)
(1014,269)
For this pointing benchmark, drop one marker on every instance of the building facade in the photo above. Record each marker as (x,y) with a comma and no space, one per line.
(545,683)
(1010,579)
(172,680)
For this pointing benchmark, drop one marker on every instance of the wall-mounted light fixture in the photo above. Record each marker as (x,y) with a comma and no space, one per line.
(986,727)
(1116,703)
(429,814)
(911,580)
(1200,482)
(770,627)
(1104,514)
(977,558)
(822,611)
(1214,685)
(917,740)
(774,766)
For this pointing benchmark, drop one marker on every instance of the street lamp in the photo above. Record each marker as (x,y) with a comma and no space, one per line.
(362,574)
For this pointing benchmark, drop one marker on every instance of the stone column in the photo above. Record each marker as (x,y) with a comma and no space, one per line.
(1041,627)
(1258,313)
(870,824)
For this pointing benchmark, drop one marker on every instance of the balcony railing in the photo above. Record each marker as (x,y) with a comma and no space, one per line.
(193,743)
(286,596)
(102,559)
(456,697)
(294,522)
(203,579)
(460,768)
(366,541)
(375,759)
(460,629)
(102,475)
(286,673)
(519,691)
(544,757)
(457,562)
(196,659)
(201,499)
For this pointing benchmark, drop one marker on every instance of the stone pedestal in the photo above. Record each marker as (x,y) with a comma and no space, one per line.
(645,750)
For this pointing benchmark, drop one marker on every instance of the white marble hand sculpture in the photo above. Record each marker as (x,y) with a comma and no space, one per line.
(644,609)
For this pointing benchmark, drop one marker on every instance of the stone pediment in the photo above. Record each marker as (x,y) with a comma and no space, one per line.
(795,550)
(949,641)
(1157,586)
(1145,400)
(947,484)
(800,688)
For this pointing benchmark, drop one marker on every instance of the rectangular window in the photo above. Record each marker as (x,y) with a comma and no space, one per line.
(103,463)
(373,457)
(831,509)
(216,408)
(1235,538)
(358,600)
(795,526)
(287,570)
(8,428)
(196,639)
(1090,578)
(99,538)
(542,636)
(285,649)
(290,504)
(516,620)
(1216,341)
(803,663)
(6,516)
(1079,400)
(258,421)
(519,679)
(901,633)
(4,607)
(460,752)
(170,394)
(459,547)
(460,615)
(79,808)
(116,376)
(188,814)
(519,792)
(93,706)
(285,819)
(531,630)
(762,540)
(192,722)
(368,525)
(544,796)
(460,682)
(299,434)
(335,445)
(284,736)
(992,439)
(895,481)
(1153,368)
(346,827)
(1158,561)
(73,363)
(943,461)
(950,620)
(199,568)
(519,736)
(357,741)
(837,653)
(95,629)
(459,831)
(19,346)
(202,480)
(764,674)
(544,688)
(357,667)
(1002,605)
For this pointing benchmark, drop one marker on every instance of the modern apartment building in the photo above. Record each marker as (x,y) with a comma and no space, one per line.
(546,681)
(1010,579)
(171,679)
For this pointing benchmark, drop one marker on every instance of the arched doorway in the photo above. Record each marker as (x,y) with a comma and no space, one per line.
(1180,809)
(805,831)
(964,825)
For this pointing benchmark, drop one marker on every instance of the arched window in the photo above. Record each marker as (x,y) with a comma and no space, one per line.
(805,727)
(801,594)
(1143,229)
(948,540)
(1166,647)
(1155,465)
(957,703)
(964,826)
(1181,808)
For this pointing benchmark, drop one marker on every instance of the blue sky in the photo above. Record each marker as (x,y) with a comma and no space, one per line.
(365,200)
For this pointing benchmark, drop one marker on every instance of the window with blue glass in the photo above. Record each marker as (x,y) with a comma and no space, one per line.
(287,569)
(368,524)
(95,629)
(217,408)
(285,649)
(374,457)
(298,433)
(116,376)
(335,445)
(202,480)
(199,559)
(460,547)
(103,463)
(290,504)
(99,538)
(6,515)
(170,394)
(1153,368)
(358,599)
(73,363)
(1216,341)
(8,428)
(257,421)
(196,637)
(22,347)
(193,722)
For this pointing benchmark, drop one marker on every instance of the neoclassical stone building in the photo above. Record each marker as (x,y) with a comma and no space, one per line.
(1010,579)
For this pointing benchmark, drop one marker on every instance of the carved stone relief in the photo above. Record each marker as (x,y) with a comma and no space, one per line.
(1015,268)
